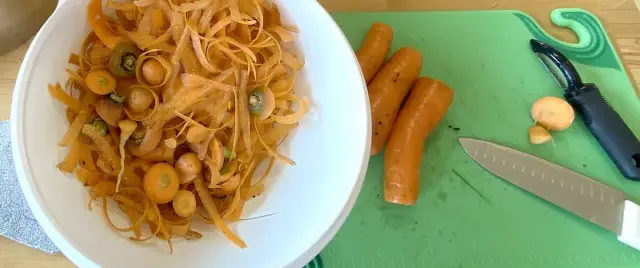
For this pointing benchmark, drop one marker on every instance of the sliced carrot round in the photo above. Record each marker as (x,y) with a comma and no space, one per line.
(100,82)
(553,113)
(184,203)
(153,72)
(140,99)
(188,167)
(161,183)
(539,135)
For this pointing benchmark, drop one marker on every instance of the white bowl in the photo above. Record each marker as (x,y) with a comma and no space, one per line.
(310,200)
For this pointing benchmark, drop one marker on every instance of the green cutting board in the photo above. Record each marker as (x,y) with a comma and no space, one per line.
(485,57)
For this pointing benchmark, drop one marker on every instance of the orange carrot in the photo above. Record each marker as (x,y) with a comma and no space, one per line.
(374,49)
(74,130)
(87,161)
(424,108)
(553,113)
(101,82)
(388,89)
(184,203)
(207,202)
(100,25)
(72,159)
(74,104)
(161,183)
(74,59)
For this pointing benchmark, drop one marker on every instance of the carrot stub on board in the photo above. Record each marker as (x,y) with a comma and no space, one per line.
(388,89)
(374,49)
(426,105)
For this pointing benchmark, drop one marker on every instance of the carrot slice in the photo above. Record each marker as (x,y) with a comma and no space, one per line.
(184,203)
(161,183)
(553,113)
(101,82)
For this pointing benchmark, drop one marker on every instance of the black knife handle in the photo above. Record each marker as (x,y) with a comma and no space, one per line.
(608,128)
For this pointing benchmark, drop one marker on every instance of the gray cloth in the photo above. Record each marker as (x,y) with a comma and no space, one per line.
(16,220)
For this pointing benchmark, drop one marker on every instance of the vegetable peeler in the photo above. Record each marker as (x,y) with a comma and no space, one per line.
(606,125)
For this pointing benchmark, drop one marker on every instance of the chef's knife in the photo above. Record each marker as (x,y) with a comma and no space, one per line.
(585,197)
(601,119)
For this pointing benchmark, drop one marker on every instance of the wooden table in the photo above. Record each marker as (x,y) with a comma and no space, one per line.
(620,17)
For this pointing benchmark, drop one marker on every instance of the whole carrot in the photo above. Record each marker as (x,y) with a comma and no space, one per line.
(427,104)
(374,49)
(387,90)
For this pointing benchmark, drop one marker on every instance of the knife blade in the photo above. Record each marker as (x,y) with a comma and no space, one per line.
(581,195)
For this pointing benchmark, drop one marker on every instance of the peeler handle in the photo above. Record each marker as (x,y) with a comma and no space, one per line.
(608,128)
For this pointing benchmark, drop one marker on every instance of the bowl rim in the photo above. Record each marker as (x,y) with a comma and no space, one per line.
(47,220)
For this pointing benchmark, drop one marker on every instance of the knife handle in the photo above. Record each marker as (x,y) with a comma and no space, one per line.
(609,129)
(630,233)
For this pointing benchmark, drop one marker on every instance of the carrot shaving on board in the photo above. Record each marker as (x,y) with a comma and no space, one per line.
(199,61)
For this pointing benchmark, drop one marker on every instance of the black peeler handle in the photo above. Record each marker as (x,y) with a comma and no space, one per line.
(609,129)
(601,119)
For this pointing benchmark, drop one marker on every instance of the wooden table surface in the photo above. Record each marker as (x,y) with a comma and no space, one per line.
(620,17)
